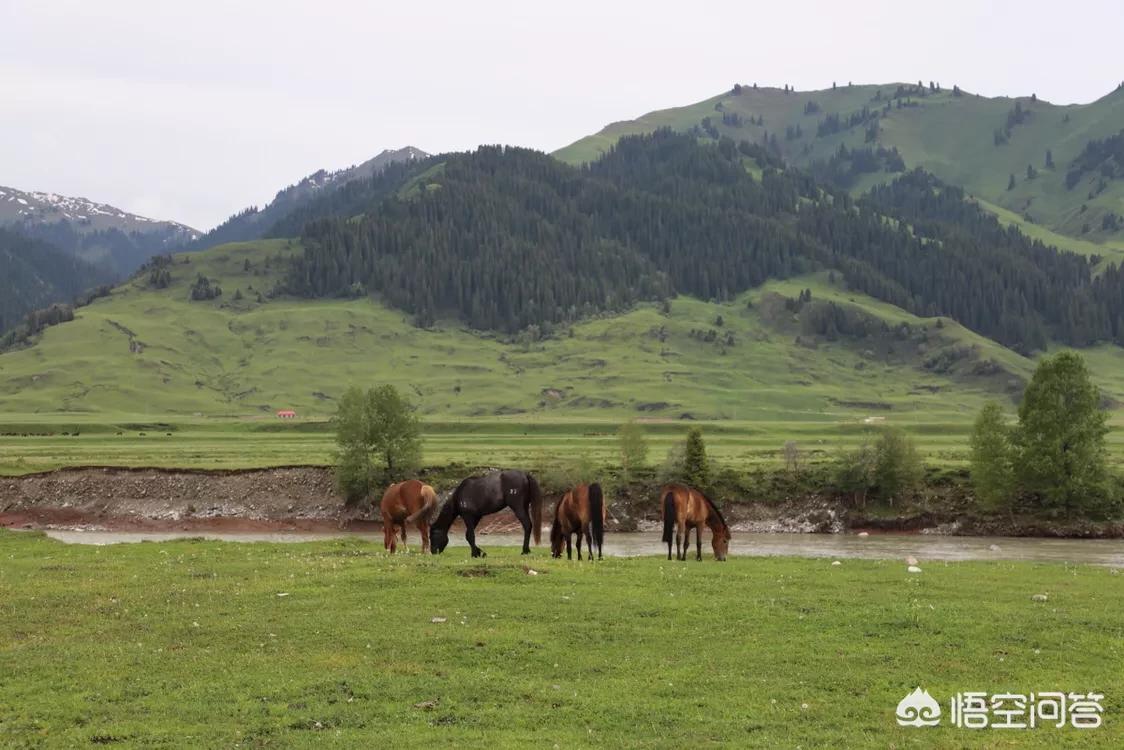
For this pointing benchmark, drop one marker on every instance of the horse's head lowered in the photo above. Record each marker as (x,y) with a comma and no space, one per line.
(556,539)
(720,532)
(719,540)
(439,527)
(438,540)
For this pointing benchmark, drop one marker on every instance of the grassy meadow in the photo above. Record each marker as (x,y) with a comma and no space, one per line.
(153,354)
(146,377)
(223,444)
(334,643)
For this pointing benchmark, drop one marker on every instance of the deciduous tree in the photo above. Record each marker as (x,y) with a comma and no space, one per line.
(1062,459)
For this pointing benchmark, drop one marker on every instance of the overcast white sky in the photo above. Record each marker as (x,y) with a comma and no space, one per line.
(193,110)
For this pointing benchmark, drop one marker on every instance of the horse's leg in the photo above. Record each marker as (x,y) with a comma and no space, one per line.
(569,548)
(470,536)
(698,542)
(589,541)
(423,530)
(680,548)
(579,536)
(520,512)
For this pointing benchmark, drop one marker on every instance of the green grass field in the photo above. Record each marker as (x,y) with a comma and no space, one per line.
(210,644)
(538,445)
(109,387)
(152,355)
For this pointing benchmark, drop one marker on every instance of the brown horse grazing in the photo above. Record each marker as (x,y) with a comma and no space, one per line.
(405,503)
(685,508)
(580,511)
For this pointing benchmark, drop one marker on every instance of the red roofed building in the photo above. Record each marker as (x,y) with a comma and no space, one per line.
(286,414)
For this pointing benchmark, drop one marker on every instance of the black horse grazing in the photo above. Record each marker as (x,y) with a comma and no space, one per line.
(477,497)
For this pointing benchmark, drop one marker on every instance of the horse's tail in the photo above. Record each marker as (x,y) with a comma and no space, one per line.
(668,517)
(534,500)
(597,514)
(427,507)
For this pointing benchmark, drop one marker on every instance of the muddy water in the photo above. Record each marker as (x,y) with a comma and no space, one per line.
(1109,552)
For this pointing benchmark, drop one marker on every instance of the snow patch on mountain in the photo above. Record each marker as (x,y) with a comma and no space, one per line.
(85,215)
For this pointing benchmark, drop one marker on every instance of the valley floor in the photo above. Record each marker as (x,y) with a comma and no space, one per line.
(35,442)
(337,644)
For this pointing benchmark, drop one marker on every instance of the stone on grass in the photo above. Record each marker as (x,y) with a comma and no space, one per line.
(1039,598)
(913,569)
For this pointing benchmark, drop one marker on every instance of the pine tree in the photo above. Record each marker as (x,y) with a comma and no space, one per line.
(991,453)
(696,469)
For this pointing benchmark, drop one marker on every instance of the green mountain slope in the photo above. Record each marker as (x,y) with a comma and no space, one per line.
(35,274)
(510,239)
(962,138)
(148,351)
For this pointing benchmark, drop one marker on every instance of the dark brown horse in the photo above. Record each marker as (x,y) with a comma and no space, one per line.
(580,511)
(477,497)
(405,503)
(685,508)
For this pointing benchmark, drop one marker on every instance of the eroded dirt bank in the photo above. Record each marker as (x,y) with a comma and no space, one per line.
(304,499)
(296,498)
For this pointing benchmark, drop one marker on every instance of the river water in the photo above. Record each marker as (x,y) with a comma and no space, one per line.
(1108,552)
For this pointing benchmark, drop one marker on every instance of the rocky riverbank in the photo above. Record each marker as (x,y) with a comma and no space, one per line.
(303,498)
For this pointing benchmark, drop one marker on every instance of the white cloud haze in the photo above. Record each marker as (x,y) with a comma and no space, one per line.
(194,110)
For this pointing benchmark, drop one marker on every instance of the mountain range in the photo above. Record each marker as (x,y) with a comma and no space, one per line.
(96,233)
(856,248)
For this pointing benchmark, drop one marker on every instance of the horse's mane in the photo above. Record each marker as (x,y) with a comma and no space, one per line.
(448,511)
(714,508)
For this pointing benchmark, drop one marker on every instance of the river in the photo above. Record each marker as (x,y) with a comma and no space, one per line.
(1107,552)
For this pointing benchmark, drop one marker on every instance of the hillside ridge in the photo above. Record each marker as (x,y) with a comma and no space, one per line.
(254,222)
(1013,152)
